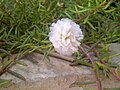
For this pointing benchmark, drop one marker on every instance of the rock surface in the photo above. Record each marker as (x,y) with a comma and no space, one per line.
(45,69)
(115,49)
(56,74)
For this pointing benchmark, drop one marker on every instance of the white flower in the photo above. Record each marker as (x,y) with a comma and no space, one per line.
(65,36)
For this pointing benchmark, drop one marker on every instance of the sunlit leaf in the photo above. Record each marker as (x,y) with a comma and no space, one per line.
(117,72)
(108,4)
(101,65)
(111,10)
(46,46)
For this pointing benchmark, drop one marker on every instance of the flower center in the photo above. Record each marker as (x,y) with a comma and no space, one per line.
(60,35)
(67,37)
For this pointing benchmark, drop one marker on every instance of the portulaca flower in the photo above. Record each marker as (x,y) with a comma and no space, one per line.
(65,36)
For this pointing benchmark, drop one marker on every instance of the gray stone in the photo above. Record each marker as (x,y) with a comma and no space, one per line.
(45,69)
(115,49)
(55,74)
(55,71)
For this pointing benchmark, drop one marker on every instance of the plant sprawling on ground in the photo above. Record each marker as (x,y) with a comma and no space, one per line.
(24,27)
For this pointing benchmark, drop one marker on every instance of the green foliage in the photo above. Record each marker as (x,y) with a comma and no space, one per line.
(24,25)
(5,83)
(101,18)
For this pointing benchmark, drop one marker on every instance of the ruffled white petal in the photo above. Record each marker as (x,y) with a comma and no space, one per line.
(65,36)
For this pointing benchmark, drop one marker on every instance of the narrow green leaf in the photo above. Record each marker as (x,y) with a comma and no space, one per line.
(6,52)
(36,39)
(82,62)
(81,84)
(108,4)
(21,63)
(109,11)
(5,64)
(80,11)
(46,46)
(117,72)
(45,41)
(16,75)
(5,83)
(25,45)
(114,55)
(101,65)
(34,48)
(90,25)
(107,52)
(33,60)
(43,34)
(97,71)
(81,7)
(68,15)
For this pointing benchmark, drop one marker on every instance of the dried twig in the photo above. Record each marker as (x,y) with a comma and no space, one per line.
(2,43)
(66,58)
(82,18)
(56,55)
